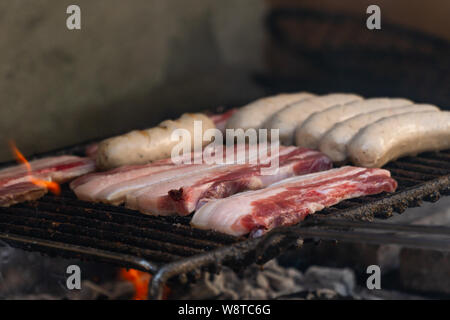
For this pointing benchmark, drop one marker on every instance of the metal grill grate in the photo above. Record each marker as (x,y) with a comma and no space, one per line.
(117,229)
(65,226)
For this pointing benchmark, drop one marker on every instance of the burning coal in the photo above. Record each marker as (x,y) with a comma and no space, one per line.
(140,281)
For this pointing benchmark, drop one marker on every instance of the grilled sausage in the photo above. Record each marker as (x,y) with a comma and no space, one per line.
(400,135)
(334,142)
(254,114)
(290,117)
(312,129)
(143,146)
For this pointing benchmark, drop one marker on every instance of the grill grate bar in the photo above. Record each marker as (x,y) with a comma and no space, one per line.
(79,252)
(92,242)
(437,156)
(71,215)
(100,232)
(406,182)
(399,173)
(428,162)
(413,167)
(176,225)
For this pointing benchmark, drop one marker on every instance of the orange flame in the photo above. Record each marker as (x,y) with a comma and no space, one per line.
(140,281)
(50,185)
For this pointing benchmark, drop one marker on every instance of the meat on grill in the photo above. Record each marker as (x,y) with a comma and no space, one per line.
(158,199)
(416,132)
(20,192)
(88,184)
(310,132)
(154,199)
(143,146)
(116,193)
(296,162)
(59,169)
(112,186)
(254,114)
(290,201)
(15,184)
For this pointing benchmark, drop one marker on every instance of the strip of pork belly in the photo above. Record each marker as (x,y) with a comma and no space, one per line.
(68,171)
(20,192)
(290,201)
(99,180)
(123,172)
(59,169)
(299,161)
(116,193)
(88,186)
(156,199)
(36,165)
(15,184)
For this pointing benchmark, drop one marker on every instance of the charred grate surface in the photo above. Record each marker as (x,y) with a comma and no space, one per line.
(116,229)
(65,226)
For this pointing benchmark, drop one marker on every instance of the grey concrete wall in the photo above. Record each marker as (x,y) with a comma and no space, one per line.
(132,64)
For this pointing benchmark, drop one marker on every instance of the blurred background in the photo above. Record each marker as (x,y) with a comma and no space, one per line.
(135,63)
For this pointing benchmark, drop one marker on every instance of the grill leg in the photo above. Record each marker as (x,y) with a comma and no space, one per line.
(156,285)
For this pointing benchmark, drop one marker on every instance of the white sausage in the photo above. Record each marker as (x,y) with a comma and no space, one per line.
(290,117)
(254,114)
(143,146)
(312,129)
(401,135)
(334,142)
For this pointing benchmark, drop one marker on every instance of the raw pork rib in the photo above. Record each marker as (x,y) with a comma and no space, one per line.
(15,184)
(221,185)
(290,201)
(154,199)
(89,186)
(59,169)
(20,192)
(112,186)
(185,194)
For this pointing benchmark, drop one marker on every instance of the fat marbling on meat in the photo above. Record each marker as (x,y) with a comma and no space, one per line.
(16,185)
(290,201)
(296,161)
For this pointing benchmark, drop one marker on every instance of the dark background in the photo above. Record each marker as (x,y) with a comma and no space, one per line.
(135,63)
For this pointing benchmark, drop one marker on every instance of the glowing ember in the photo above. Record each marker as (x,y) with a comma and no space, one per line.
(140,281)
(50,185)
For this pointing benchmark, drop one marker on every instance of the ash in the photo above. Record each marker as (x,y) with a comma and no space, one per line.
(32,276)
(277,282)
